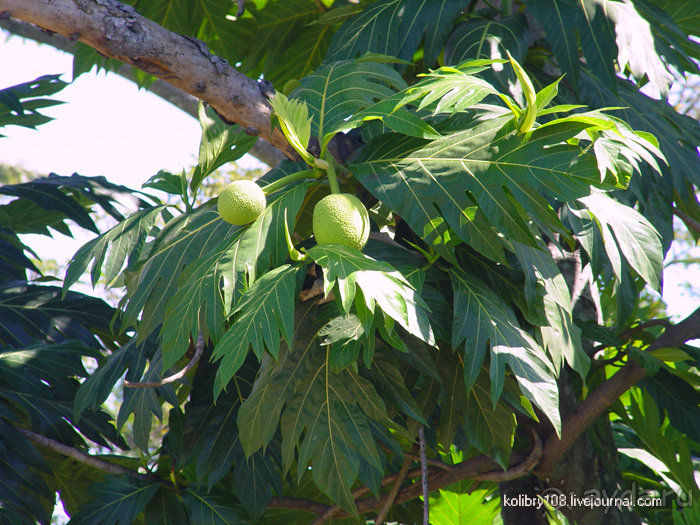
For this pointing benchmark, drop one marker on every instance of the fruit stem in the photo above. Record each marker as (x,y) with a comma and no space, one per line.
(304,174)
(332,179)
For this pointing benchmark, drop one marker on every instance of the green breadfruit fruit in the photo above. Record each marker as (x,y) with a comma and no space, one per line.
(343,219)
(241,202)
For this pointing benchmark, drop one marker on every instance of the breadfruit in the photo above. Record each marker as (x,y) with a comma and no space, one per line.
(241,202)
(341,218)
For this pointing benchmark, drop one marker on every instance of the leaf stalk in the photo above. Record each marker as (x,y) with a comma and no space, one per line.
(304,174)
(332,178)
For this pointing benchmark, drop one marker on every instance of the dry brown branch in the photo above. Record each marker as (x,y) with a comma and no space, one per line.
(199,348)
(117,31)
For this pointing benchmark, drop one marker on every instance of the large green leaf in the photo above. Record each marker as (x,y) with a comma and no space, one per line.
(646,421)
(266,311)
(677,135)
(482,317)
(387,377)
(454,396)
(686,17)
(336,430)
(625,232)
(20,104)
(117,499)
(446,90)
(183,240)
(679,399)
(35,366)
(259,415)
(96,389)
(562,339)
(63,194)
(396,28)
(435,184)
(481,38)
(302,56)
(21,486)
(72,480)
(210,507)
(610,31)
(460,504)
(490,429)
(331,411)
(111,249)
(209,433)
(30,312)
(380,283)
(211,286)
(338,90)
(165,509)
(263,43)
(220,144)
(254,478)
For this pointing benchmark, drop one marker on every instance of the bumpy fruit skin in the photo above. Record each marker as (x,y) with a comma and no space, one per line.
(341,218)
(241,202)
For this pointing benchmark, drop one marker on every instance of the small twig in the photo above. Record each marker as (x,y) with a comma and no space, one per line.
(424,477)
(81,457)
(687,219)
(199,349)
(394,491)
(604,362)
(335,509)
(320,6)
(642,326)
(518,470)
(624,336)
(432,462)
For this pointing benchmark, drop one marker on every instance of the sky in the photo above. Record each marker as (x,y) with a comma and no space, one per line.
(109,127)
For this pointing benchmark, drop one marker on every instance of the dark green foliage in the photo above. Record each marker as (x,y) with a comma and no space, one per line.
(321,363)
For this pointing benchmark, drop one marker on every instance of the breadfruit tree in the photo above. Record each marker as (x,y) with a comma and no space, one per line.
(487,341)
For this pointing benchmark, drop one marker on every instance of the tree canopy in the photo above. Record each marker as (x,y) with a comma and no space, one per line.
(492,342)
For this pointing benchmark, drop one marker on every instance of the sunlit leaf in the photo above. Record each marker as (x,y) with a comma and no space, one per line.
(482,317)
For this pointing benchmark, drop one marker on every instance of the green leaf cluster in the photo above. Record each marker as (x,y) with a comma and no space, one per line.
(491,164)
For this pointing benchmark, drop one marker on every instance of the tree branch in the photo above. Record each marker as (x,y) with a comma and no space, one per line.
(199,348)
(389,501)
(117,31)
(607,393)
(687,219)
(97,463)
(424,477)
(478,468)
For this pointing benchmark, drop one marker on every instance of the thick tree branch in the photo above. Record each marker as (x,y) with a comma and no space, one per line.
(117,31)
(606,394)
